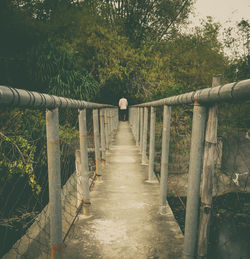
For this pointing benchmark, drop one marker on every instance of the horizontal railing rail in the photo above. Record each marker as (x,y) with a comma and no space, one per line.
(223,93)
(23,98)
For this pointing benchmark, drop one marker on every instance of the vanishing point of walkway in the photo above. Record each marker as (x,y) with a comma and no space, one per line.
(125,222)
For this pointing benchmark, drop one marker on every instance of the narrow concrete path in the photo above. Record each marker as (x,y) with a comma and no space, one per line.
(125,222)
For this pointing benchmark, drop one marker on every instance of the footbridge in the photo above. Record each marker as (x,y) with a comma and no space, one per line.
(119,208)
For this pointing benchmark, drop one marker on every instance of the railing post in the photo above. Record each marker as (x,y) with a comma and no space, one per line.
(133,122)
(164,158)
(141,128)
(194,177)
(109,126)
(54,175)
(129,116)
(84,165)
(116,118)
(151,145)
(97,143)
(145,136)
(137,126)
(106,128)
(111,122)
(103,146)
(207,176)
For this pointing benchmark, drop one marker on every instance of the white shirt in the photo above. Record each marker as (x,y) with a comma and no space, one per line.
(123,103)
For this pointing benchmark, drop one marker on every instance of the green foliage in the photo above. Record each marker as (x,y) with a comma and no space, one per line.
(18,149)
(196,57)
(145,21)
(21,163)
(54,67)
(68,134)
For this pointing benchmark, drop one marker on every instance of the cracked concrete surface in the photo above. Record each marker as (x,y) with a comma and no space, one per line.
(125,222)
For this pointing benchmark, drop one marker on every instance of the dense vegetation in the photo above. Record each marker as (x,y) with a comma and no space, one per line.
(98,50)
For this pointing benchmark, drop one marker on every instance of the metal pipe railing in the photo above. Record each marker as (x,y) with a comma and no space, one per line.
(108,121)
(22,98)
(223,93)
(201,99)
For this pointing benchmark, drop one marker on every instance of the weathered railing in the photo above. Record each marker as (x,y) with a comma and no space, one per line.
(203,144)
(105,121)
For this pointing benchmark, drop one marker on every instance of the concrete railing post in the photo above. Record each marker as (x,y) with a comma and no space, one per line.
(112,121)
(84,164)
(54,175)
(109,126)
(164,158)
(194,177)
(129,115)
(102,129)
(137,126)
(133,122)
(79,180)
(207,176)
(97,143)
(141,129)
(151,145)
(116,118)
(106,128)
(145,136)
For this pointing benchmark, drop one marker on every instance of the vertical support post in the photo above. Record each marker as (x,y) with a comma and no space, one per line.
(145,136)
(164,158)
(111,121)
(141,128)
(103,146)
(54,174)
(109,126)
(97,144)
(207,176)
(151,145)
(129,116)
(133,122)
(106,128)
(137,126)
(116,118)
(194,177)
(79,186)
(84,165)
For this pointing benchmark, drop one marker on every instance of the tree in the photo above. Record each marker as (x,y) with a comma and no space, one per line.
(147,20)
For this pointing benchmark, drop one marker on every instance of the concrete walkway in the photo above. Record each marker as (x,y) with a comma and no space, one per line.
(125,222)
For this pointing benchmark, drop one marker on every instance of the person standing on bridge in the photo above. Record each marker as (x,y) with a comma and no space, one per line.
(123,104)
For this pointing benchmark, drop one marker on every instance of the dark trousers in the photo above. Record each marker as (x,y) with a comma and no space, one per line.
(123,115)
